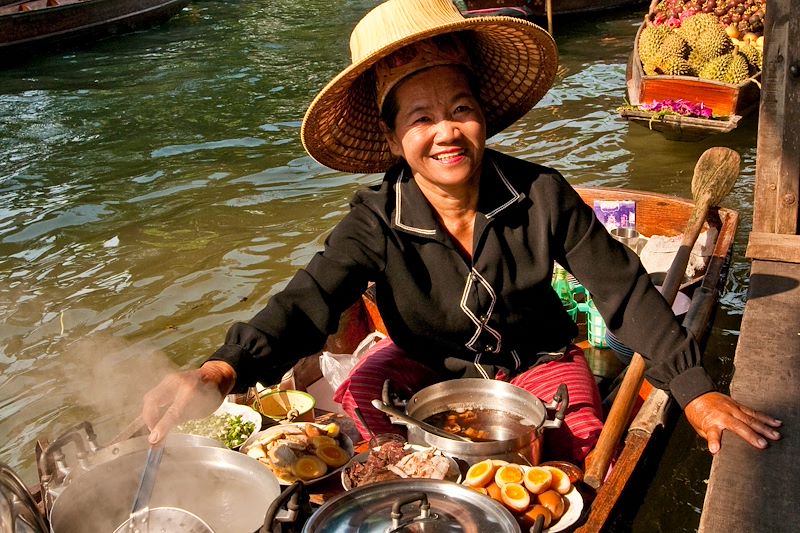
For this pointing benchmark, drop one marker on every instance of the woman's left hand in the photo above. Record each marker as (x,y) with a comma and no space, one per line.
(713,412)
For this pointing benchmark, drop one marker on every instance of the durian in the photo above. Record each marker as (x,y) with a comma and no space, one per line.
(692,28)
(713,43)
(753,56)
(674,46)
(716,68)
(650,41)
(738,69)
(676,66)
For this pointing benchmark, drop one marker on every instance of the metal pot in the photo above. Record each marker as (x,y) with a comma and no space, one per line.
(225,488)
(403,505)
(522,439)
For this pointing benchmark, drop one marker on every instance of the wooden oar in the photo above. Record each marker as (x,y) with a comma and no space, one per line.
(714,175)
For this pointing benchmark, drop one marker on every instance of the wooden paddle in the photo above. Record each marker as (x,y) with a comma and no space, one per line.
(714,175)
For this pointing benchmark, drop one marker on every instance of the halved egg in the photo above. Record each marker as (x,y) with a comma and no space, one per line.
(480,474)
(309,467)
(332,455)
(509,473)
(561,482)
(537,479)
(515,496)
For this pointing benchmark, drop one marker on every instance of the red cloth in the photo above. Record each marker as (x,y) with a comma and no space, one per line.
(572,441)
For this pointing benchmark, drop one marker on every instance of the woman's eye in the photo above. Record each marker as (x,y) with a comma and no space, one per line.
(463,109)
(420,120)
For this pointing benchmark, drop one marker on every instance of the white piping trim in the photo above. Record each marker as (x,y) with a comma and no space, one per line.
(481,326)
(397,213)
(479,367)
(516,195)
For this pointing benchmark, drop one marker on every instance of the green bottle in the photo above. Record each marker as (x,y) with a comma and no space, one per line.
(562,287)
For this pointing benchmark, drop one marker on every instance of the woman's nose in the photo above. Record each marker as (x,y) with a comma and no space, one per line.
(447,129)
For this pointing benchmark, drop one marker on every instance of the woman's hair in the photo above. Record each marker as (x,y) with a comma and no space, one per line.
(390,106)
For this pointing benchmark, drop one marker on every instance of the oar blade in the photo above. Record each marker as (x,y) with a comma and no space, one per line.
(715,173)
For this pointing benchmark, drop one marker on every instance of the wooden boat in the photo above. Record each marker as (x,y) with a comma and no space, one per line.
(729,102)
(655,214)
(33,27)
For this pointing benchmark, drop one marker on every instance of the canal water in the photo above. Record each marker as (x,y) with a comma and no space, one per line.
(153,189)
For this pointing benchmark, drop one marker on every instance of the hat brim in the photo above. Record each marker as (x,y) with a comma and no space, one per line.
(515,62)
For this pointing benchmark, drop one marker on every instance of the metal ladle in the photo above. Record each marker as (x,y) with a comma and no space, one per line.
(171,519)
(424,426)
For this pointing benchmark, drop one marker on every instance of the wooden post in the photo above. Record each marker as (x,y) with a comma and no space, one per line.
(777,188)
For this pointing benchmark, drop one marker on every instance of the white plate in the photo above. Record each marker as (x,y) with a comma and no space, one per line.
(248,414)
(362,458)
(344,442)
(234,409)
(571,513)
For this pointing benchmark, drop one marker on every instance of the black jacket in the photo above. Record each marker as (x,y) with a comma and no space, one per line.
(497,310)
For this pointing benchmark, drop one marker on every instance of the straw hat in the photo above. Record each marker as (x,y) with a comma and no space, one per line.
(514,61)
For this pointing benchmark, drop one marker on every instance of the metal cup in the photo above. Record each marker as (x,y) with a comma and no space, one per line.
(627,236)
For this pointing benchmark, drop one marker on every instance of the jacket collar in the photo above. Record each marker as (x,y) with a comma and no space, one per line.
(413,214)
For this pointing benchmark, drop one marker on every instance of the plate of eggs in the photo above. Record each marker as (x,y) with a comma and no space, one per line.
(529,492)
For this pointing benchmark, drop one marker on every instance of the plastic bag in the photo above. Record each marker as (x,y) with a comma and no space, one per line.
(336,367)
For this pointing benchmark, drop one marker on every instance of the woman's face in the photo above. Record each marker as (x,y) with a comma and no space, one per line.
(439,129)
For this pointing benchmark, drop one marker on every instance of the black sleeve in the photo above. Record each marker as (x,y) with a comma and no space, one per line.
(632,307)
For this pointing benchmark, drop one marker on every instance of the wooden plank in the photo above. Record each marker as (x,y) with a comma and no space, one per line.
(774,247)
(750,489)
(778,156)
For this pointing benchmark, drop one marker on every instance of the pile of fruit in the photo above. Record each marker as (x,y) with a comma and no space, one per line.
(712,39)
(528,492)
(300,451)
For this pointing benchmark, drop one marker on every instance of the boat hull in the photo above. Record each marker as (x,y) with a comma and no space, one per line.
(24,34)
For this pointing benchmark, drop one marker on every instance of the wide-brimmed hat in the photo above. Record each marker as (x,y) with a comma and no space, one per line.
(513,60)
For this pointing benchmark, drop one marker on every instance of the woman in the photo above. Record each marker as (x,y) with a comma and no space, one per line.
(459,240)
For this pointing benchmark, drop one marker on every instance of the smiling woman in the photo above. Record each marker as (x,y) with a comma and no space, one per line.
(151,127)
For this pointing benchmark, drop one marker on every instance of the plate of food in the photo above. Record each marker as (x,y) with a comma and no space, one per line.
(231,424)
(529,491)
(301,451)
(396,460)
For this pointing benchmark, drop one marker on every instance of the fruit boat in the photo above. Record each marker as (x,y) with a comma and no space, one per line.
(729,102)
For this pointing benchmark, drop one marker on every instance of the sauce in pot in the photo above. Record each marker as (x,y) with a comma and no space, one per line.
(481,425)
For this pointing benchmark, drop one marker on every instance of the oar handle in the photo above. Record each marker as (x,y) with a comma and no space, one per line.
(616,422)
(672,283)
(618,416)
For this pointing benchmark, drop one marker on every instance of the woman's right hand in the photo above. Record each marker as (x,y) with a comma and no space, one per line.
(185,396)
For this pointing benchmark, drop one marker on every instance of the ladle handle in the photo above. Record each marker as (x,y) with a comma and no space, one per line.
(424,426)
(141,505)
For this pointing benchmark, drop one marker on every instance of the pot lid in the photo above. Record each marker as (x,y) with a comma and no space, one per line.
(412,505)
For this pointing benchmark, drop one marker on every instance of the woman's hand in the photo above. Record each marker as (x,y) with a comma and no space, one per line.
(186,395)
(712,413)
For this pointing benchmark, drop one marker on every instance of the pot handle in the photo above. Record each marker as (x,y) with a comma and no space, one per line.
(296,501)
(560,400)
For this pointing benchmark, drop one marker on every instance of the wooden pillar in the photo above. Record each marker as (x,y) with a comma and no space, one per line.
(776,217)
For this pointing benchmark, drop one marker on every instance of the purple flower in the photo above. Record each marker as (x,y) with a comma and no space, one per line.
(680,107)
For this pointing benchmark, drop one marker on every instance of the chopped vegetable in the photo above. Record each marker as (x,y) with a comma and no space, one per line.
(231,430)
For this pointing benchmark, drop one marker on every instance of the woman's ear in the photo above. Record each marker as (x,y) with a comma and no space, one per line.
(394,143)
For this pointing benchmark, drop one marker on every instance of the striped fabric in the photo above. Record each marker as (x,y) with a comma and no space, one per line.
(571,442)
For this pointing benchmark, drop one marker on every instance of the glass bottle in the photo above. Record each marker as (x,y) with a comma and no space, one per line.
(564,291)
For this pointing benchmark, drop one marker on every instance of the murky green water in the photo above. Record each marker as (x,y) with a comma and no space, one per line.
(153,189)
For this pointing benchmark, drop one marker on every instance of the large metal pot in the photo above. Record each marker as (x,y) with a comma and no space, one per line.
(227,489)
(508,441)
(402,505)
